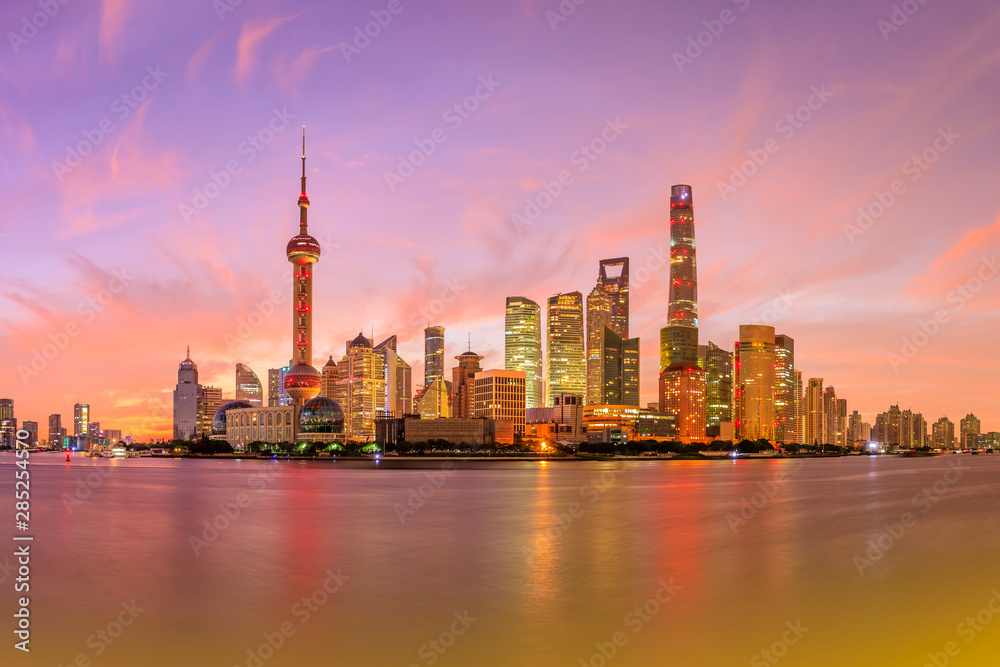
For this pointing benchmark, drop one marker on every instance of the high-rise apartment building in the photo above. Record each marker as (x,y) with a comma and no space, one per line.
(718,366)
(56,431)
(799,407)
(81,414)
(754,383)
(830,416)
(248,387)
(682,395)
(523,346)
(328,382)
(814,414)
(943,434)
(842,423)
(566,364)
(32,428)
(784,389)
(969,426)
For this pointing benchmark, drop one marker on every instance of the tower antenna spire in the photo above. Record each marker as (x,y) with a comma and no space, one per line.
(303,160)
(189,352)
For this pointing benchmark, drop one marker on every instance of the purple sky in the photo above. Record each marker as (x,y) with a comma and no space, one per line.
(785,248)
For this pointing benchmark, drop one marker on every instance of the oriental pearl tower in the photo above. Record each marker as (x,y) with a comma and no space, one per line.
(302,381)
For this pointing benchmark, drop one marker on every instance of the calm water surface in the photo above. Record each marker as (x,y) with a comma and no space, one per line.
(515,563)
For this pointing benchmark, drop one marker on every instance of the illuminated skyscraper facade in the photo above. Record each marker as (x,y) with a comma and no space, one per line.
(433,354)
(598,319)
(679,339)
(566,364)
(398,380)
(523,346)
(607,306)
(784,389)
(619,370)
(679,370)
(248,387)
(185,403)
(799,419)
(718,366)
(209,401)
(814,414)
(302,382)
(361,388)
(56,431)
(754,383)
(81,411)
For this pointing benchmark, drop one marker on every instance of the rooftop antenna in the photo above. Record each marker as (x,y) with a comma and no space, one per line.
(470,341)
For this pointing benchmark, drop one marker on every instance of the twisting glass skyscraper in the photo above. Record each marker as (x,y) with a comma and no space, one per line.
(682,381)
(679,339)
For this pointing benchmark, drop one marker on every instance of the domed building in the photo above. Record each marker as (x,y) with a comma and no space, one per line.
(321,415)
(219,419)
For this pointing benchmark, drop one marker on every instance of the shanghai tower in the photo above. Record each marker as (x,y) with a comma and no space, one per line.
(682,381)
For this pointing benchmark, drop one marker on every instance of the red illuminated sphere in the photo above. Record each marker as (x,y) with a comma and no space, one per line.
(303,249)
(302,382)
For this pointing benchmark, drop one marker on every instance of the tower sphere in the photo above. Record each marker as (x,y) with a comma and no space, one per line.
(303,382)
(303,249)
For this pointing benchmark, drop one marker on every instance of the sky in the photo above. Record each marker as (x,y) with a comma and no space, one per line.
(842,159)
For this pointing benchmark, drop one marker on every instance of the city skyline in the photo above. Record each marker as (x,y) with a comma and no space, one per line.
(139,279)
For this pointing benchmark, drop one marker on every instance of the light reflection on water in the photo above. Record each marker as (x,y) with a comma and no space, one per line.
(601,536)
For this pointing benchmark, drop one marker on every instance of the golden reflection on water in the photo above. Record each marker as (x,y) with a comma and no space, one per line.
(466,547)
